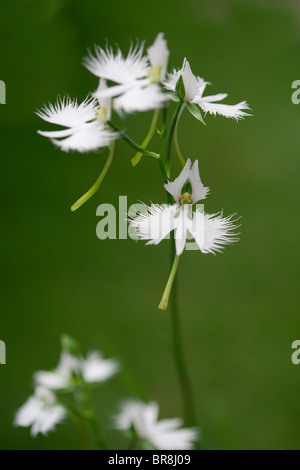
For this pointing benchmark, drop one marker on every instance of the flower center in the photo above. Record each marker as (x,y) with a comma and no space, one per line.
(101,114)
(185,199)
(154,74)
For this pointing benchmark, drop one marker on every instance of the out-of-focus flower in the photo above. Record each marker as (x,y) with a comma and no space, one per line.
(41,412)
(210,231)
(165,434)
(194,89)
(85,124)
(71,368)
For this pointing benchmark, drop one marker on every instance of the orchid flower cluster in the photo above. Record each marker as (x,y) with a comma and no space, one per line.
(141,83)
(66,392)
(138,82)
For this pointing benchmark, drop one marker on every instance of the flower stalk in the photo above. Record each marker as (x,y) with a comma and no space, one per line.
(147,139)
(131,142)
(97,184)
(170,137)
(165,298)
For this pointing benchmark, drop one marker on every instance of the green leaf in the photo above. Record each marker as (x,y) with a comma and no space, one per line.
(195,111)
(180,89)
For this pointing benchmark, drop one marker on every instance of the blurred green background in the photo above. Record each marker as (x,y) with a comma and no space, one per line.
(240,310)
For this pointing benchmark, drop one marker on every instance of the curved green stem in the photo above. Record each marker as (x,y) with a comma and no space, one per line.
(178,151)
(148,137)
(170,137)
(97,184)
(131,142)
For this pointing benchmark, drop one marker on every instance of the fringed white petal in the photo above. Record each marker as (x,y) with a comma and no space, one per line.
(158,55)
(156,224)
(141,99)
(169,436)
(115,67)
(213,231)
(48,418)
(88,138)
(41,412)
(229,111)
(162,434)
(68,113)
(97,369)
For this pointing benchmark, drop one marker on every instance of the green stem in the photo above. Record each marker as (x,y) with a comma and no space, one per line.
(97,184)
(165,298)
(131,142)
(133,444)
(81,427)
(170,137)
(179,359)
(93,421)
(178,354)
(148,137)
(82,435)
(178,151)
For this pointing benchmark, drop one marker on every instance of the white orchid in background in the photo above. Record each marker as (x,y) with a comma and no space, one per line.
(85,124)
(71,368)
(210,231)
(194,89)
(136,76)
(165,434)
(41,411)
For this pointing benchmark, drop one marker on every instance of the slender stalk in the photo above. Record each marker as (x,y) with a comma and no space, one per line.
(165,298)
(93,421)
(171,292)
(97,184)
(179,359)
(131,142)
(176,144)
(147,139)
(80,424)
(170,137)
(81,432)
(133,444)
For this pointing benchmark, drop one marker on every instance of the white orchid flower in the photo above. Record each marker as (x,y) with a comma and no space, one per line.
(41,412)
(93,369)
(136,77)
(165,434)
(85,124)
(210,231)
(194,89)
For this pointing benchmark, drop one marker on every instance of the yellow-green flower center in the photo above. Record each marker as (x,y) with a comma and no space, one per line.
(155,74)
(101,114)
(185,199)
